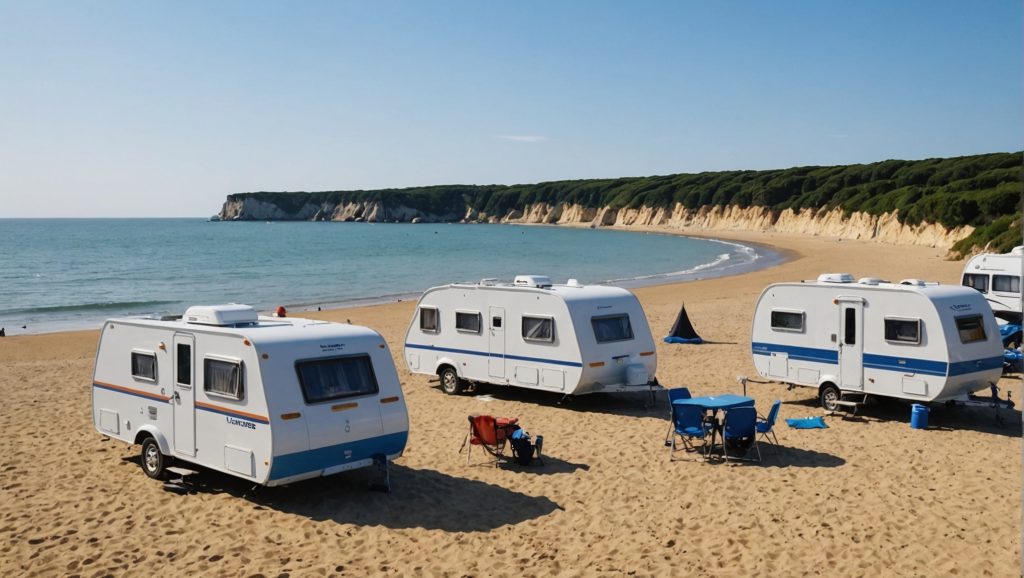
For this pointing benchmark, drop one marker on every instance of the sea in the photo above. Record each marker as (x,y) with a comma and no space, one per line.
(67,274)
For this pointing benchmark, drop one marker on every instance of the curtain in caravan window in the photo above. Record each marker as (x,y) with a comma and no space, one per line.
(1006,283)
(329,379)
(903,330)
(222,378)
(979,282)
(467,322)
(612,328)
(538,329)
(428,319)
(144,365)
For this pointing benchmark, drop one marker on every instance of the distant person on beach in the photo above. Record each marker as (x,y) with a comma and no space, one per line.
(3,332)
(281,312)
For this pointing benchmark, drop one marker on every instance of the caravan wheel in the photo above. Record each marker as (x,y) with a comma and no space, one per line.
(152,460)
(829,395)
(450,382)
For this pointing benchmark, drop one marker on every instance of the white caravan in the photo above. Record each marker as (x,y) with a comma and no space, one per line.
(913,340)
(571,339)
(997,277)
(272,400)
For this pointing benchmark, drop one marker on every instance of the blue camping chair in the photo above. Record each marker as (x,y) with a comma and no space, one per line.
(688,424)
(674,394)
(764,426)
(740,432)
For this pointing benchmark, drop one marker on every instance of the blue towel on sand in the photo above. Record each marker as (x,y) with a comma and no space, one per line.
(807,423)
(695,340)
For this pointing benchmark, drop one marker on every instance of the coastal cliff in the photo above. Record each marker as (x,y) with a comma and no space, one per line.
(963,204)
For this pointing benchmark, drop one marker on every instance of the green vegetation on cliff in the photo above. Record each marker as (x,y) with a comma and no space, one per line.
(983,191)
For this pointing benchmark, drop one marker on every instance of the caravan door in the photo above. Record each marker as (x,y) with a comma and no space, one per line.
(851,343)
(496,343)
(183,399)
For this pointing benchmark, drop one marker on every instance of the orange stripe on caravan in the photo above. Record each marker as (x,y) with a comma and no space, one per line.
(230,410)
(139,392)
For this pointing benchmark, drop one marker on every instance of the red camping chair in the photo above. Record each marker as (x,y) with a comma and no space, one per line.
(490,433)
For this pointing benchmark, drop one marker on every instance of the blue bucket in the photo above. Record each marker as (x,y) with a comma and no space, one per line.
(919,416)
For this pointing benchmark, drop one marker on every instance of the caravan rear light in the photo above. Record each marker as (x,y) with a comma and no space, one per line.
(646,353)
(344,406)
(391,399)
(293,415)
(597,364)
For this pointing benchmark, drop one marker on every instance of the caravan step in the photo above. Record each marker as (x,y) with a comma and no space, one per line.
(852,406)
(181,471)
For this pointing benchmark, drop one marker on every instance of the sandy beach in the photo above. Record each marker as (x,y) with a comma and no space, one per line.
(867,496)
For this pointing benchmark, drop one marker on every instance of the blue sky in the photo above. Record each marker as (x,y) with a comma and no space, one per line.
(161,109)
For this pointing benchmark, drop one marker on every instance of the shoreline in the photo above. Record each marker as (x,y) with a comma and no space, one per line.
(765,256)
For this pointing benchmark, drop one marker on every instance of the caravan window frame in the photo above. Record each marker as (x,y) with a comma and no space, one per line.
(885,330)
(144,353)
(986,285)
(981,327)
(345,395)
(479,321)
(549,319)
(629,326)
(437,319)
(238,363)
(1014,280)
(800,312)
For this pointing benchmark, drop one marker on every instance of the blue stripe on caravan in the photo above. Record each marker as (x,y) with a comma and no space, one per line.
(964,367)
(322,458)
(798,353)
(905,364)
(485,354)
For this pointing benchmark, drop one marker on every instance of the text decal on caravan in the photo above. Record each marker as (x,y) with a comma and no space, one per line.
(240,423)
(329,347)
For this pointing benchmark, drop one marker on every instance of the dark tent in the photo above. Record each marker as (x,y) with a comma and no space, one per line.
(682,330)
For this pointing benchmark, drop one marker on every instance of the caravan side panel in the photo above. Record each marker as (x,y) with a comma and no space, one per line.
(233,431)
(122,402)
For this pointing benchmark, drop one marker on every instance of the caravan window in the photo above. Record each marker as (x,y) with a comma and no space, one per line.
(971,328)
(335,378)
(429,319)
(538,329)
(223,378)
(1006,283)
(787,320)
(612,328)
(144,365)
(903,330)
(468,322)
(979,282)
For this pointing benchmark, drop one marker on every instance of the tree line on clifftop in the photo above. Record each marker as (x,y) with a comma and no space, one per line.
(983,191)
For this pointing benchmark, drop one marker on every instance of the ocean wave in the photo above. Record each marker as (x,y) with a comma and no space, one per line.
(86,307)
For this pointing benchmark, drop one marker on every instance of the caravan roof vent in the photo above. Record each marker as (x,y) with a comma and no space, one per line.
(914,282)
(489,281)
(573,283)
(869,281)
(835,278)
(540,281)
(221,315)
